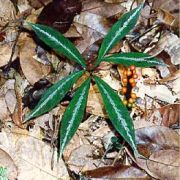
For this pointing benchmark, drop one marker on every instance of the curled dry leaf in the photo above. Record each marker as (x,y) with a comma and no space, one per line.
(32,69)
(6,161)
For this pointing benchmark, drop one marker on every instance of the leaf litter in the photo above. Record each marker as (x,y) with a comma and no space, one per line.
(30,148)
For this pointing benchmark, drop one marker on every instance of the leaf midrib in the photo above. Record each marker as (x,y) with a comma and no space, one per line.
(118,114)
(121,29)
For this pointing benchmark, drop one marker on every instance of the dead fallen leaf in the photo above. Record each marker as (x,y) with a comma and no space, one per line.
(81,158)
(32,69)
(155,138)
(93,21)
(6,161)
(170,114)
(165,164)
(95,104)
(119,171)
(5,53)
(102,8)
(7,12)
(31,155)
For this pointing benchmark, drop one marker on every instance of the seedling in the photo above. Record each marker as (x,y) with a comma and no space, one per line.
(117,112)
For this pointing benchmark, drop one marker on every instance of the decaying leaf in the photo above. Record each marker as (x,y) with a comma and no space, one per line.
(7,12)
(7,162)
(5,53)
(102,8)
(20,145)
(155,138)
(32,69)
(165,164)
(118,171)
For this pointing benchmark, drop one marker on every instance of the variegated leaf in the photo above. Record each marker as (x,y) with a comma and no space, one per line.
(133,58)
(117,113)
(54,95)
(58,42)
(73,115)
(118,31)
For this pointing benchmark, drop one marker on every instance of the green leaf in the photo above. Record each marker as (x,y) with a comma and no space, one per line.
(58,42)
(54,95)
(137,59)
(73,115)
(118,31)
(117,112)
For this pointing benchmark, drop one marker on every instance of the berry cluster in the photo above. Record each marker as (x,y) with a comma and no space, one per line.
(129,82)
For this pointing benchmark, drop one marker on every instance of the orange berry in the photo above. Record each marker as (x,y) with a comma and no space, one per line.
(131,80)
(125,102)
(133,96)
(129,73)
(135,76)
(132,67)
(124,80)
(125,72)
(133,84)
(130,100)
(129,105)
(124,90)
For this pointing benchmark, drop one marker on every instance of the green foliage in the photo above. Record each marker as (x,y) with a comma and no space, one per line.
(117,112)
(73,115)
(137,59)
(118,31)
(54,95)
(3,173)
(58,42)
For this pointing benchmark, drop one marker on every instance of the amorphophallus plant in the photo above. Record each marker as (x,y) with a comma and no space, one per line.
(117,112)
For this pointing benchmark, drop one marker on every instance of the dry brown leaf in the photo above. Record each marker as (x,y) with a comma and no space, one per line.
(6,161)
(5,53)
(32,69)
(155,138)
(101,8)
(119,171)
(81,158)
(165,164)
(170,114)
(114,1)
(95,104)
(93,21)
(7,12)
(31,155)
(170,6)
(171,44)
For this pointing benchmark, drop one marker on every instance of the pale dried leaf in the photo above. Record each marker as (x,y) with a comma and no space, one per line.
(32,69)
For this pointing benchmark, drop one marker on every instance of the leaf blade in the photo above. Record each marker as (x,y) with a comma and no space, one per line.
(117,112)
(118,31)
(73,116)
(58,42)
(54,95)
(137,59)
